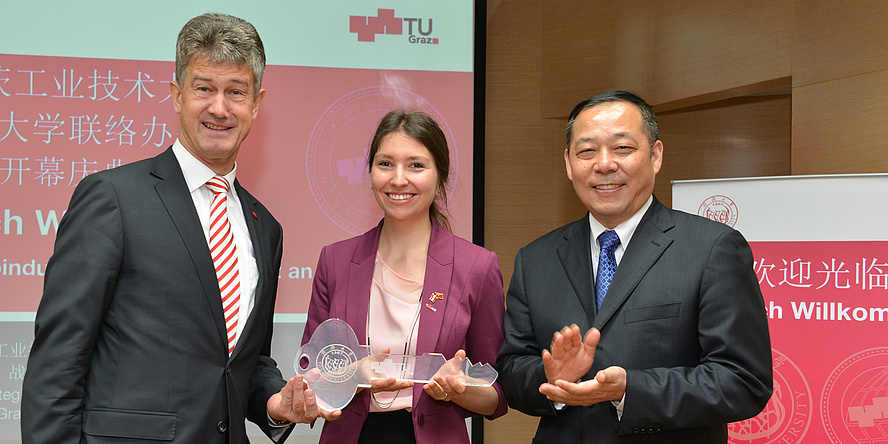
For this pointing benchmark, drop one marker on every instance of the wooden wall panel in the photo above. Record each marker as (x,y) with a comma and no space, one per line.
(834,40)
(518,164)
(840,81)
(742,137)
(580,42)
(840,126)
(685,51)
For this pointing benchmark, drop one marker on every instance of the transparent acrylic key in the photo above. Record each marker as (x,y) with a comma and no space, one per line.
(335,365)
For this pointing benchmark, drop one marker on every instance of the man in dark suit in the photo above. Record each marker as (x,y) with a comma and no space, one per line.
(676,343)
(132,341)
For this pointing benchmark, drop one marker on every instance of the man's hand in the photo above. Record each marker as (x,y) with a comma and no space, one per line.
(297,403)
(572,355)
(608,385)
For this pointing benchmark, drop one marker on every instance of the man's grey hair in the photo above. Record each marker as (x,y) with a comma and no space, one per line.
(223,40)
(648,118)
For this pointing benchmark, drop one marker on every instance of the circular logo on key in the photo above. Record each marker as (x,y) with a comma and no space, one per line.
(336,363)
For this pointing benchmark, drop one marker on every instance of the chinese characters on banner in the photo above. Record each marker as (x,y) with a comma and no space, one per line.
(60,120)
(827,304)
(63,118)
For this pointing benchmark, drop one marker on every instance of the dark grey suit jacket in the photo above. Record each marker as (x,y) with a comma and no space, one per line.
(684,316)
(130,342)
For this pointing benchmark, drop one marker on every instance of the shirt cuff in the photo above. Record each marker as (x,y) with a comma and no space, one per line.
(275,423)
(619,406)
(559,406)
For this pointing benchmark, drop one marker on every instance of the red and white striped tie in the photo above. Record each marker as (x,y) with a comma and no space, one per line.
(224,253)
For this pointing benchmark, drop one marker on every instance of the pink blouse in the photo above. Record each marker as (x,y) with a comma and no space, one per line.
(392,322)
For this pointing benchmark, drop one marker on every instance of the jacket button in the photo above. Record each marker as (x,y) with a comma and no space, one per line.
(228,369)
(221,427)
(421,419)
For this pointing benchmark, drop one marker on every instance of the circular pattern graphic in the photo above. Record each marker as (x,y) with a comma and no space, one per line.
(854,404)
(336,363)
(787,416)
(720,209)
(336,158)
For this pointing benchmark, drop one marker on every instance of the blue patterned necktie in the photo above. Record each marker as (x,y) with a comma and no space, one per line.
(607,264)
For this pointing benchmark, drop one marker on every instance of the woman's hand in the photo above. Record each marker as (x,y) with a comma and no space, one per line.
(448,384)
(386,384)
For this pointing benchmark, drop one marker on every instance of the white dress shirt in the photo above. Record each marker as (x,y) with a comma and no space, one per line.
(624,231)
(196,176)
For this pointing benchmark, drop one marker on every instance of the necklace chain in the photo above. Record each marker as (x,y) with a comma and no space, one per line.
(407,342)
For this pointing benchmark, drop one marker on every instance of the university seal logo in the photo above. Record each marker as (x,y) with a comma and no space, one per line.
(854,404)
(337,363)
(720,209)
(787,416)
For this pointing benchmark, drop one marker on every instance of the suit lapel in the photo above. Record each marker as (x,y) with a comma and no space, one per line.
(439,269)
(576,258)
(173,192)
(360,278)
(261,254)
(646,246)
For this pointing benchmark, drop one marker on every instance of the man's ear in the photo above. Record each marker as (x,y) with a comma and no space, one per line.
(567,164)
(657,155)
(257,100)
(176,95)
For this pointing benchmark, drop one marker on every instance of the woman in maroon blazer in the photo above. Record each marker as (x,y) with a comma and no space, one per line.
(410,286)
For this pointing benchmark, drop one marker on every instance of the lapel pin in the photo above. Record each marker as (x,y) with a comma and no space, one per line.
(435,296)
(429,306)
(255,216)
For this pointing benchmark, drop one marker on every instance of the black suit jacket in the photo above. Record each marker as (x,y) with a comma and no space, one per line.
(130,342)
(684,316)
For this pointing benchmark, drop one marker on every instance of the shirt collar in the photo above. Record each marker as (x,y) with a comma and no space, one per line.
(196,173)
(625,230)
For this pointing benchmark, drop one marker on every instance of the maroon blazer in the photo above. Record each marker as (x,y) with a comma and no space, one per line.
(470,317)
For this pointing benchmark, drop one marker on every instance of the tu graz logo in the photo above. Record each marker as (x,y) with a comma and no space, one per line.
(418,30)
